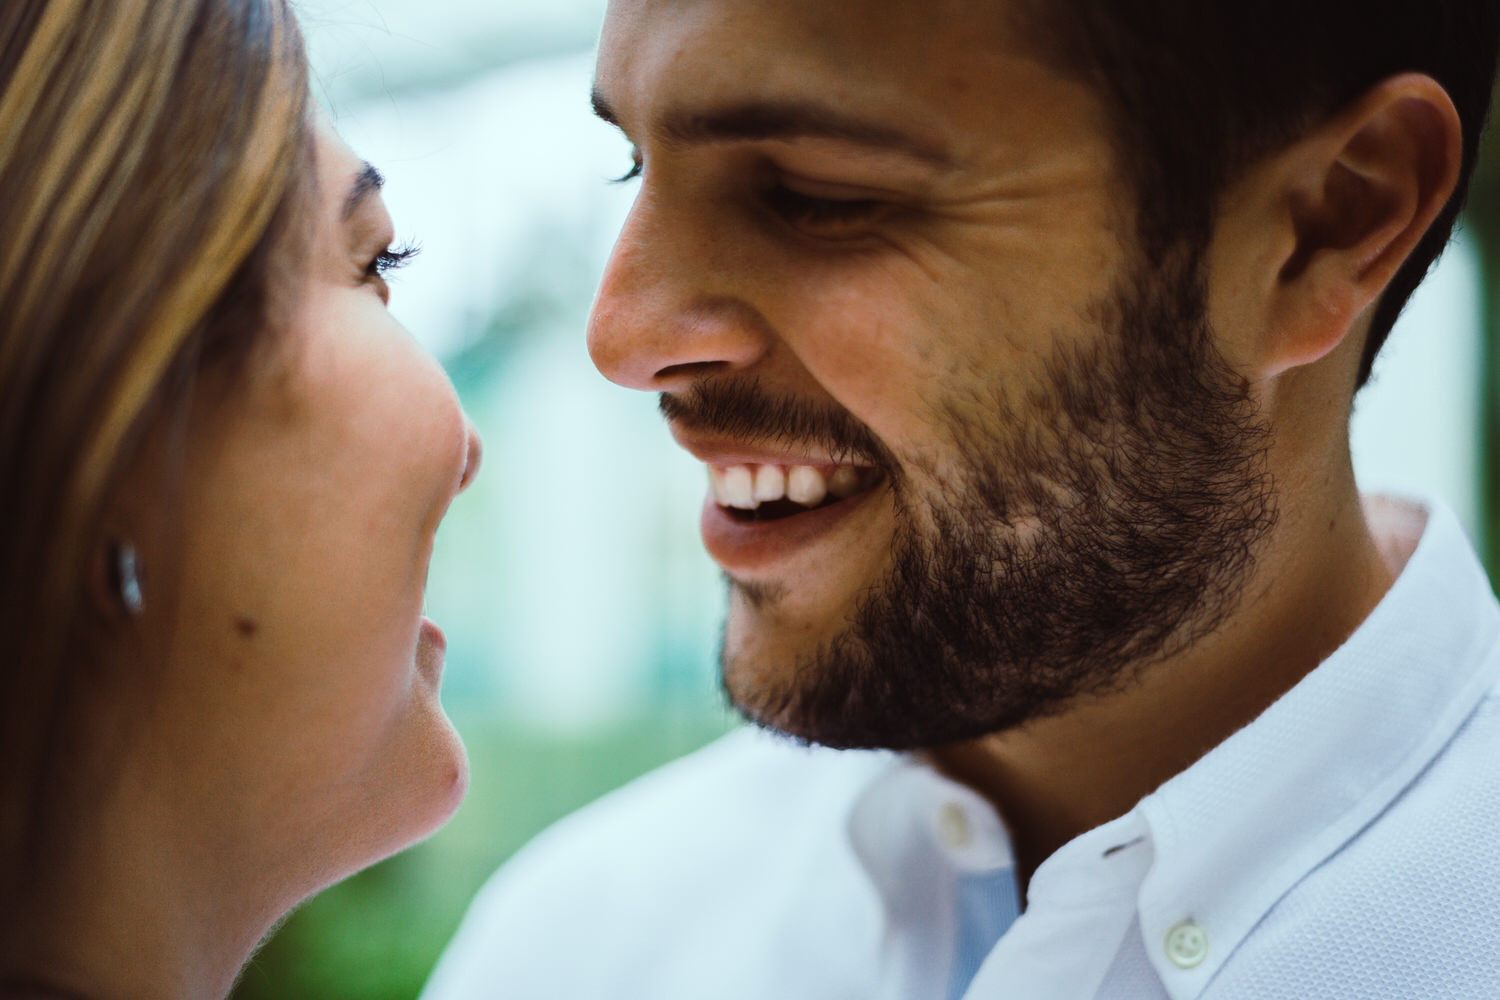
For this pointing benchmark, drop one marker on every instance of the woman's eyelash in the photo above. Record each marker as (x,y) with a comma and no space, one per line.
(391,258)
(629,175)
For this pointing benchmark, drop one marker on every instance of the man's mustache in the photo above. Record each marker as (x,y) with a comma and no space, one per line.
(738,408)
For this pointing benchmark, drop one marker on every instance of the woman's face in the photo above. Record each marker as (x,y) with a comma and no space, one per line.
(297,727)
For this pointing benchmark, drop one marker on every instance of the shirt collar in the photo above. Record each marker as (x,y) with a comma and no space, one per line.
(1227,837)
(1236,830)
(910,814)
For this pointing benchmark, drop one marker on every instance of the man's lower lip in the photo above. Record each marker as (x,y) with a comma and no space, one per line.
(745,546)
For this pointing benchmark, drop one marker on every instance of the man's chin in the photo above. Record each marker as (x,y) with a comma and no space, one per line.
(768,655)
(771,709)
(802,685)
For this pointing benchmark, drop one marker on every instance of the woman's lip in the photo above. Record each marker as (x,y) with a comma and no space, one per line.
(432,647)
(431,635)
(748,546)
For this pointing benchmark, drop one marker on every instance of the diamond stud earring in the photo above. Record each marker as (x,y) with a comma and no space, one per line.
(125,573)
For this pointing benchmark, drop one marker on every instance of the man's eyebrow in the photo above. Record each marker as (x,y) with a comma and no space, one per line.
(782,120)
(602,107)
(367,183)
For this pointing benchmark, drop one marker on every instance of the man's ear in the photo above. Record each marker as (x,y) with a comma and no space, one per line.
(1347,203)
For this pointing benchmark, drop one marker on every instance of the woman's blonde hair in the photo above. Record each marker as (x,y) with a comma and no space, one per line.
(151,156)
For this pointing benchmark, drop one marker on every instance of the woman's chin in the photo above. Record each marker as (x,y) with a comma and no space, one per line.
(421,788)
(455,778)
(444,768)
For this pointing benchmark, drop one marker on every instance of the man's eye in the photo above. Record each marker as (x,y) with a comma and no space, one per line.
(635,168)
(807,210)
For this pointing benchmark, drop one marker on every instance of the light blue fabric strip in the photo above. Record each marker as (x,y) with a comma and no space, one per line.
(987,905)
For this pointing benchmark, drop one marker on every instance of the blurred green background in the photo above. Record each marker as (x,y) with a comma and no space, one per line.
(581,613)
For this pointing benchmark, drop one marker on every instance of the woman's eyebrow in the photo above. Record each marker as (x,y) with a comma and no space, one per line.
(368,182)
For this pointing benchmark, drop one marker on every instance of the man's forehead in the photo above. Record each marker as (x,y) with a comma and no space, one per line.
(870,51)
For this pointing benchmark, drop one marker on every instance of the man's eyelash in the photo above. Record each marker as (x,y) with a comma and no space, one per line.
(392,258)
(631,174)
(797,207)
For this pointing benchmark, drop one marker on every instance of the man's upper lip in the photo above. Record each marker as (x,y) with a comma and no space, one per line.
(722,451)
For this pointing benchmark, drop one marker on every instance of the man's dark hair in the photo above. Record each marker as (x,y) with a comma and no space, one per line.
(1198,89)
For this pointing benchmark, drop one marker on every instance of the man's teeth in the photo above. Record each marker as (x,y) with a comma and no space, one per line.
(739,487)
(770,483)
(746,487)
(844,482)
(805,485)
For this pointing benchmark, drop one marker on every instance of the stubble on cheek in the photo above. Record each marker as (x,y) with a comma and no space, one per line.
(1082,532)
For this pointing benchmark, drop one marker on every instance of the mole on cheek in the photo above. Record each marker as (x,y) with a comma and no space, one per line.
(246,626)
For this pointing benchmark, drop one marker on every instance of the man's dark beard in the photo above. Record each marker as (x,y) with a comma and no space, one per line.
(1140,468)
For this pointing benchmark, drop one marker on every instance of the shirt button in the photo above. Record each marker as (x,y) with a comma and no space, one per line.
(953,826)
(1187,945)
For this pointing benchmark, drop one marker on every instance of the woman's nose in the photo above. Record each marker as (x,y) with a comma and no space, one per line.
(669,311)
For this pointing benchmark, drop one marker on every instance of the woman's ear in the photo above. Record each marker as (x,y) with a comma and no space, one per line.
(1339,211)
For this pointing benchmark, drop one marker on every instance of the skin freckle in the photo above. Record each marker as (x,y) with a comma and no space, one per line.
(246,626)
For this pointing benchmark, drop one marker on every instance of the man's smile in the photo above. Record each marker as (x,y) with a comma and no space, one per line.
(771,491)
(766,503)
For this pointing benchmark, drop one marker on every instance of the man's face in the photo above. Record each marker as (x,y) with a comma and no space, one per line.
(971,457)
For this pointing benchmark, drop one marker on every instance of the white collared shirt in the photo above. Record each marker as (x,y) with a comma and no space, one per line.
(1345,844)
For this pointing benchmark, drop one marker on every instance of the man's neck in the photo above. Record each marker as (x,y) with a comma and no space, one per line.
(1318,577)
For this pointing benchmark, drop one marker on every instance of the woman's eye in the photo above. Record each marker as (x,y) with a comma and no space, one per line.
(808,210)
(390,259)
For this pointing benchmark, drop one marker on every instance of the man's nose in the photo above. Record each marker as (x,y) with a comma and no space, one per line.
(671,307)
